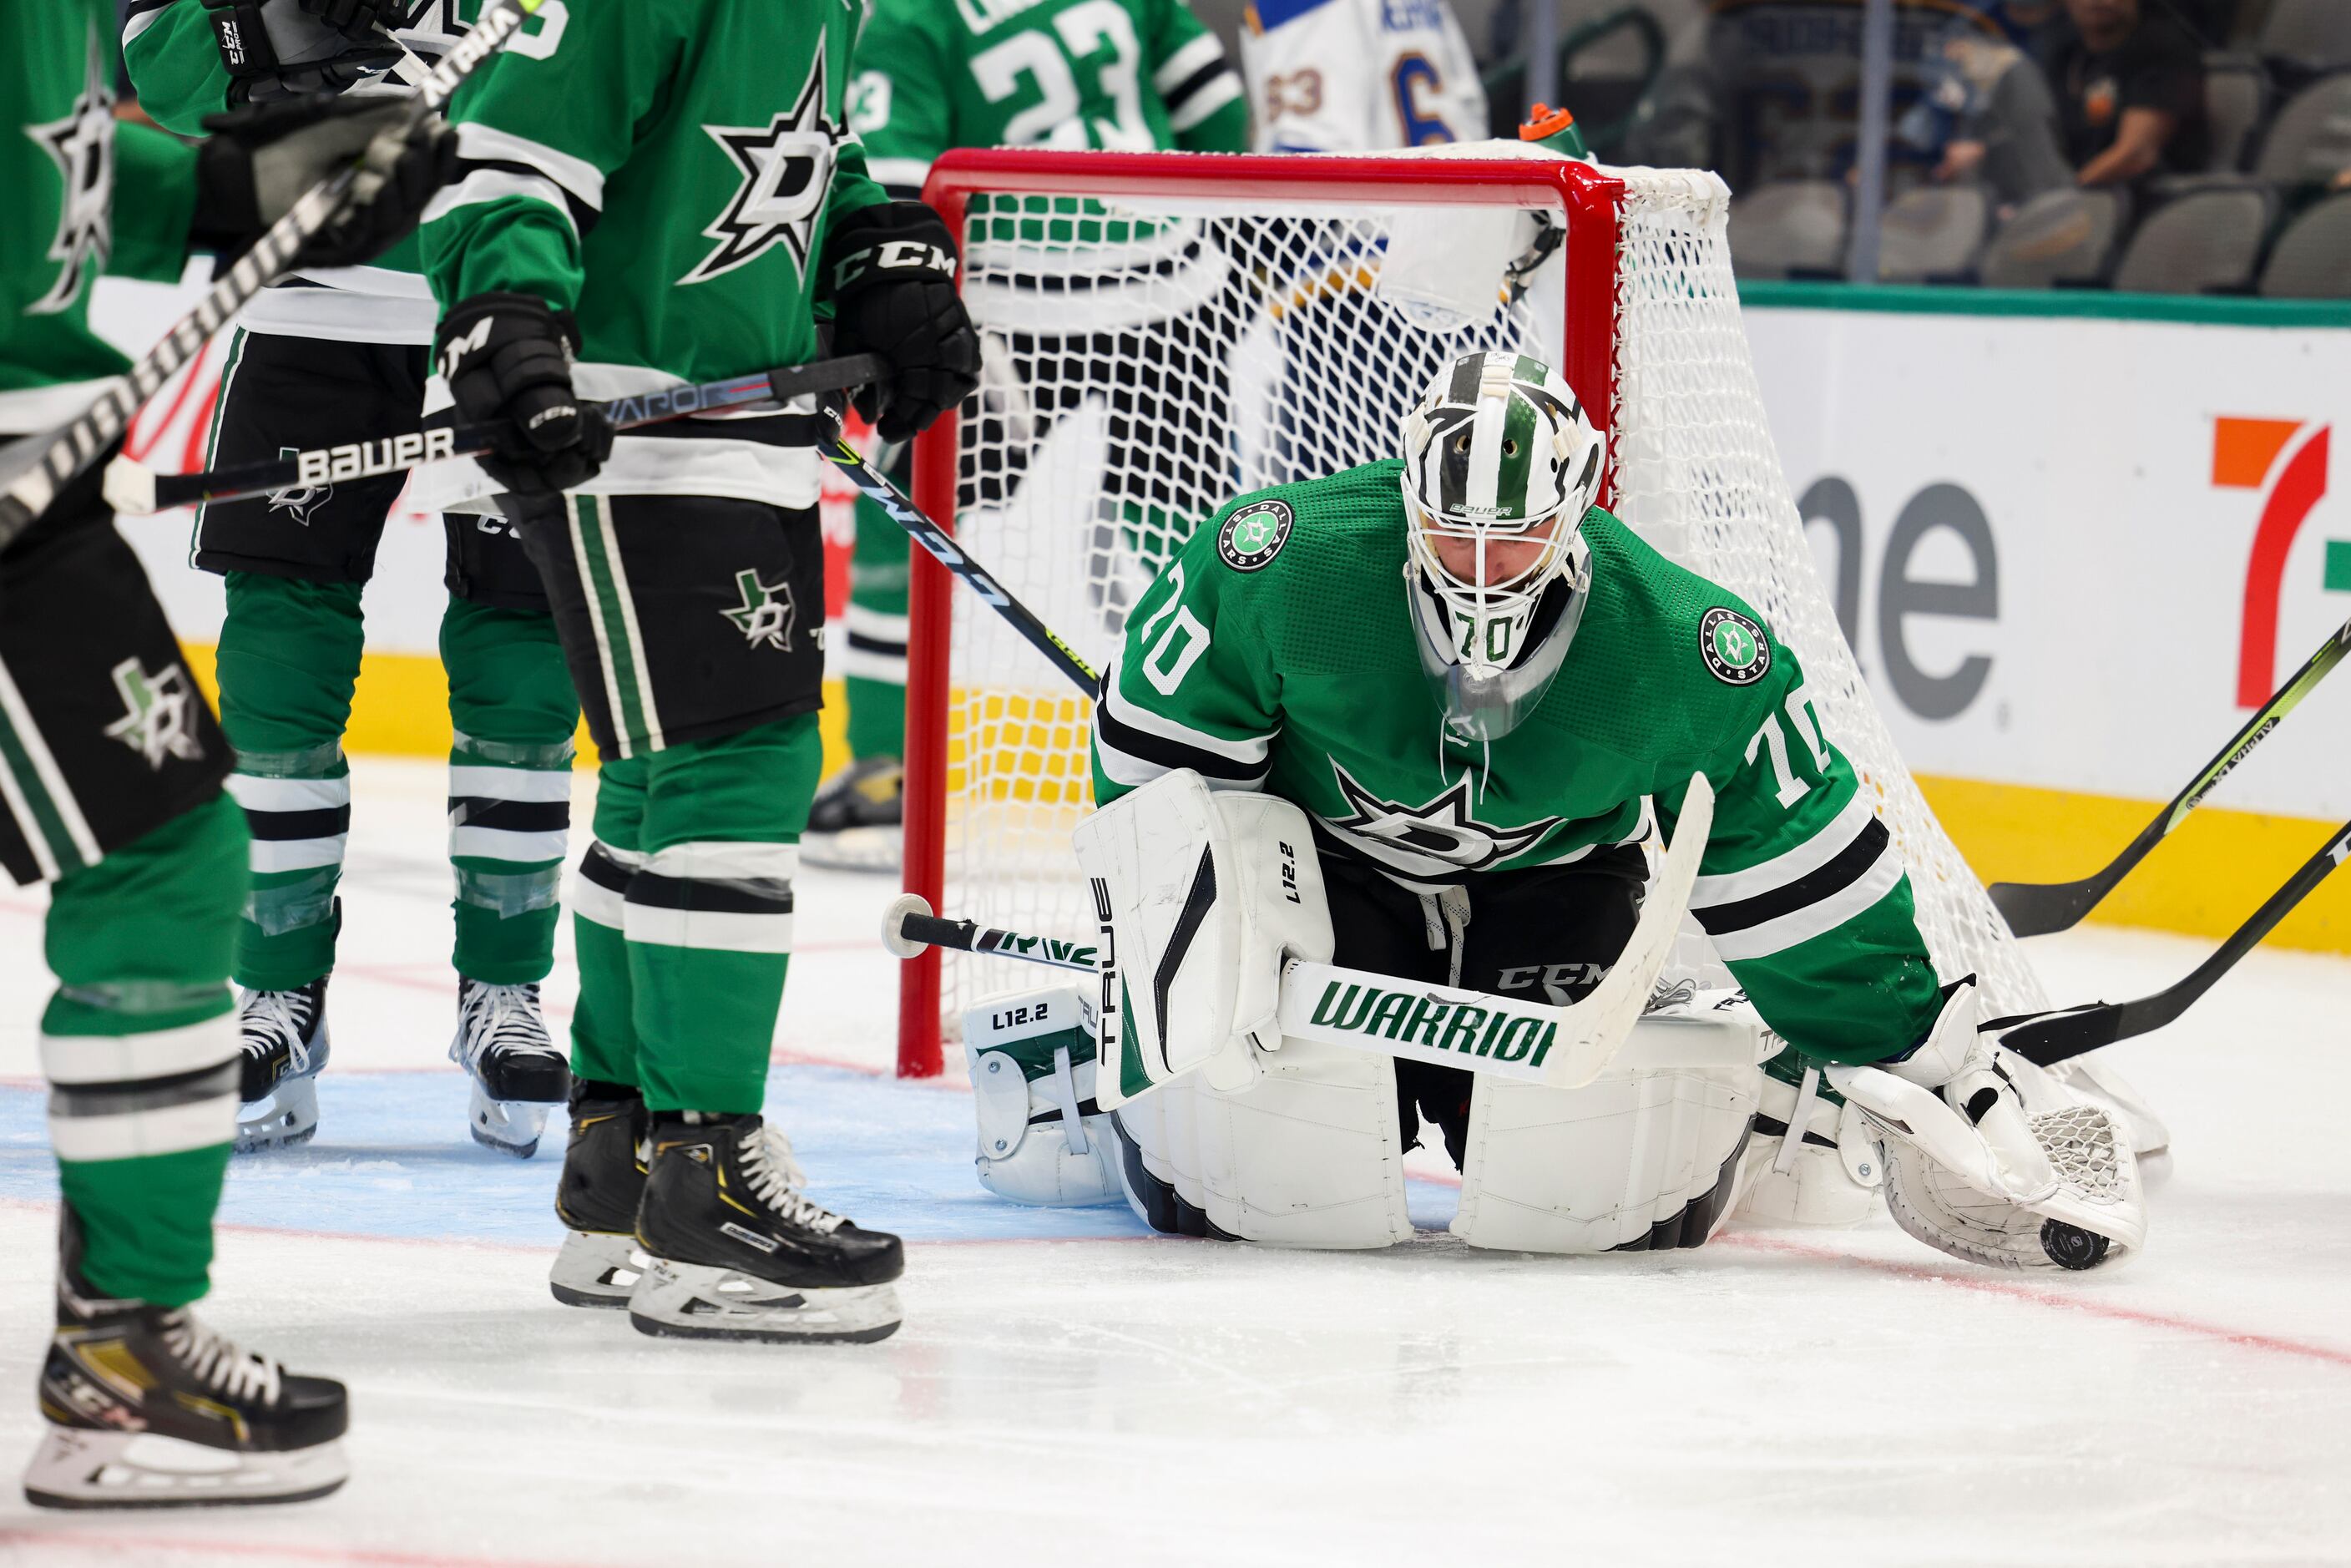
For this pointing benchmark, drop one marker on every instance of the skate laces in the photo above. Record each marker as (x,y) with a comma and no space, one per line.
(500,1018)
(777,1178)
(273,1019)
(219,1362)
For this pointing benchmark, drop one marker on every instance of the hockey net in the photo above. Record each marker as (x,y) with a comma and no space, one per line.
(1164,332)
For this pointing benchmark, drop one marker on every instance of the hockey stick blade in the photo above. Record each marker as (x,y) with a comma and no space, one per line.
(134,488)
(2037,908)
(2058,1037)
(878,487)
(34,480)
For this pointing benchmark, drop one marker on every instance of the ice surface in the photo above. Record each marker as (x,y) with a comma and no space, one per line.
(1068,1389)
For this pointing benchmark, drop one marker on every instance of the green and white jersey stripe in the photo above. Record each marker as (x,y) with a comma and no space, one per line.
(612,614)
(36,791)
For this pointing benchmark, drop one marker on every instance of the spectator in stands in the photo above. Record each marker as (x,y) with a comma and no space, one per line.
(2001,122)
(2130,94)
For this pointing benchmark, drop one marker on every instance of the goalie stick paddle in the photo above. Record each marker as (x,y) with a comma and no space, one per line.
(1565,1047)
(135,489)
(2052,1038)
(2037,908)
(37,469)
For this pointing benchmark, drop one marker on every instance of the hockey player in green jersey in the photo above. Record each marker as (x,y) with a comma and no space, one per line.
(655,194)
(1483,690)
(329,355)
(111,770)
(1137,75)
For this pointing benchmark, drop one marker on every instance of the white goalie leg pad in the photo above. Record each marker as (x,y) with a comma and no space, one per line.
(1813,1161)
(1202,896)
(1991,1159)
(1308,1155)
(1042,1138)
(1646,1155)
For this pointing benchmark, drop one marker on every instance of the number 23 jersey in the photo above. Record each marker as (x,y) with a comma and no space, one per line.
(1277,652)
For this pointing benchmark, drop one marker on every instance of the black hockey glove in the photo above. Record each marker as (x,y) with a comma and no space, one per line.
(280,48)
(891,271)
(261,157)
(508,358)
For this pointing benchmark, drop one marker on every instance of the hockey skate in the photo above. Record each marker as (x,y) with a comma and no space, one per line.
(285,1036)
(739,1252)
(855,821)
(516,1070)
(146,1408)
(603,1181)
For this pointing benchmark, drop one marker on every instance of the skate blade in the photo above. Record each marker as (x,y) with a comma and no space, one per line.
(690,1301)
(597,1270)
(285,1117)
(75,1469)
(854,849)
(504,1125)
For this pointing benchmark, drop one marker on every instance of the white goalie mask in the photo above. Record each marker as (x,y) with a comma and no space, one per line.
(1500,467)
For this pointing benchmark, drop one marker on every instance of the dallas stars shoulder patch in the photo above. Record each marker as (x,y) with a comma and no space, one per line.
(1254,534)
(1735,649)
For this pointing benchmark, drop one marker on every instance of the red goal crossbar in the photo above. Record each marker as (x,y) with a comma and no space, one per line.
(1588,200)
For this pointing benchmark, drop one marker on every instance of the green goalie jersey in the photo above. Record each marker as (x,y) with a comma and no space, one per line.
(84,195)
(667,171)
(1278,653)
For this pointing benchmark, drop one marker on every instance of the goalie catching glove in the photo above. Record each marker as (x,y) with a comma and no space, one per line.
(892,270)
(1991,1159)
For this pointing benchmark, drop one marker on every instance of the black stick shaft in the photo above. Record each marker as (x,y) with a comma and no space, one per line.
(393,453)
(2035,909)
(2049,1041)
(32,479)
(969,936)
(943,548)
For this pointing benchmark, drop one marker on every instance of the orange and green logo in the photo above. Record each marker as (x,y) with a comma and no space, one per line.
(2285,459)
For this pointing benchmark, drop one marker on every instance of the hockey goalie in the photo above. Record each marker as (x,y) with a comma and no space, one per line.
(1419,719)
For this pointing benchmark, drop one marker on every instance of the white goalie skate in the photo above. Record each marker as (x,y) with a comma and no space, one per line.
(517,1072)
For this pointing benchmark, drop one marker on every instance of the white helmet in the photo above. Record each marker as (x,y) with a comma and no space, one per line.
(1498,457)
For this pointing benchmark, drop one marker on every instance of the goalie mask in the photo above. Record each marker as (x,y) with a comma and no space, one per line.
(1500,467)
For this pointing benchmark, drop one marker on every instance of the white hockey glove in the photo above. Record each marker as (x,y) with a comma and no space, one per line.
(1201,896)
(1991,1159)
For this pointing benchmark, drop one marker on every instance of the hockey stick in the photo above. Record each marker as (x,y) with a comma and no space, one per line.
(2036,908)
(35,469)
(1564,1047)
(135,489)
(2052,1038)
(878,487)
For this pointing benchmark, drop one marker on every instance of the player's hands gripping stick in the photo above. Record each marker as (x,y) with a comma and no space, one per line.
(508,358)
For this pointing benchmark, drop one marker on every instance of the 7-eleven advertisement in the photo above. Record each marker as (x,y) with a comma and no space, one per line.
(2073,556)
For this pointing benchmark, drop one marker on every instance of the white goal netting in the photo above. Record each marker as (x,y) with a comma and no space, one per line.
(1150,358)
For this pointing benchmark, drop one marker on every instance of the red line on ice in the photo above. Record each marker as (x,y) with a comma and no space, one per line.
(368,1557)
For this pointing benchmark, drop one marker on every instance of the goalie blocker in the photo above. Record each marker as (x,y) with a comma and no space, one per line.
(1241,1129)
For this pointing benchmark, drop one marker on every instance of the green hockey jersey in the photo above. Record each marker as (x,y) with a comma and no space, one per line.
(85,194)
(667,171)
(1277,652)
(1131,75)
(175,66)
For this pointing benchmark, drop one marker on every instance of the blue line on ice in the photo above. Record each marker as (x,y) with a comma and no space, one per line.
(392,1158)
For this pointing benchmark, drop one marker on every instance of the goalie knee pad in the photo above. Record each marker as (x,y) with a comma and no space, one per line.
(1041,1138)
(1645,1156)
(1308,1155)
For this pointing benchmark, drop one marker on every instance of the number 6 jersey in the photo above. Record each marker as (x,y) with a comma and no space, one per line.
(1360,75)
(1278,653)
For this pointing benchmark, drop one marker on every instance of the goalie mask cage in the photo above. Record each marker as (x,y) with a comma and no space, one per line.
(1165,330)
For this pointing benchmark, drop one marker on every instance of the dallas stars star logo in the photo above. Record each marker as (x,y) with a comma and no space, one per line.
(785,166)
(301,500)
(1441,829)
(159,716)
(767,615)
(82,147)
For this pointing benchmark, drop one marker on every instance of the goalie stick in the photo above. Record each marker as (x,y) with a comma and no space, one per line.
(1564,1047)
(2037,908)
(2052,1038)
(135,489)
(38,466)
